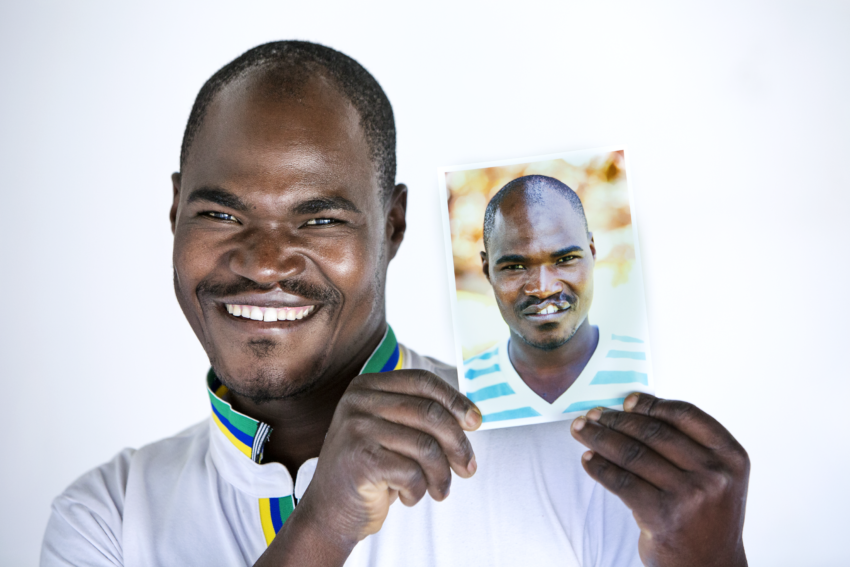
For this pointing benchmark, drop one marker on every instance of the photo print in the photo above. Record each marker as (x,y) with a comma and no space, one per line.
(549,309)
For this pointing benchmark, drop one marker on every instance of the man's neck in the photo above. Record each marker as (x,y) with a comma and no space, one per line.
(550,372)
(299,424)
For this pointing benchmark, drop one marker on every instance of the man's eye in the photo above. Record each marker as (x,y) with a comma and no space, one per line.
(321,222)
(514,267)
(220,216)
(566,259)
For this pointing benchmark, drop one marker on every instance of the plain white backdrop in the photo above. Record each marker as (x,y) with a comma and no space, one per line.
(736,119)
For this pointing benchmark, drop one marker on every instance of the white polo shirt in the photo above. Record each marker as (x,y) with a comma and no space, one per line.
(203,497)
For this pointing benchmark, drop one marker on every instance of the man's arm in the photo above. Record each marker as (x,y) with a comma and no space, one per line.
(681,473)
(395,435)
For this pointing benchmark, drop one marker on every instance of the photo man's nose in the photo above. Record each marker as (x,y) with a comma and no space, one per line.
(543,282)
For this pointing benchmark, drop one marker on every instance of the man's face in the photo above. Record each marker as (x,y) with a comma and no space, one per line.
(278,215)
(540,263)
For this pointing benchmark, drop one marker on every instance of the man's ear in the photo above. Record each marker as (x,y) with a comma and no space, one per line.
(485,266)
(396,218)
(592,245)
(175,182)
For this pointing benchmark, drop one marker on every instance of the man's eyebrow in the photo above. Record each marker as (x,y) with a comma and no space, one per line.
(511,259)
(321,204)
(565,251)
(219,197)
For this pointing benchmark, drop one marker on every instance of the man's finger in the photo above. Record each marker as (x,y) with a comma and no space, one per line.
(424,384)
(423,415)
(661,437)
(685,417)
(420,447)
(636,493)
(392,472)
(628,454)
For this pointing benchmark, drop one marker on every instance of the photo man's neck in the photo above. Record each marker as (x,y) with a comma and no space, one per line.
(549,372)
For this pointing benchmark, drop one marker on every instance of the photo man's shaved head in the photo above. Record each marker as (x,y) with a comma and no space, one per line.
(532,188)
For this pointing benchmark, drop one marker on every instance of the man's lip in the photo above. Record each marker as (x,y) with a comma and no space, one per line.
(276,300)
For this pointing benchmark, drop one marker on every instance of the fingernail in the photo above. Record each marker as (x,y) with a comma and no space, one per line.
(630,402)
(579,423)
(594,414)
(473,417)
(472,466)
(586,456)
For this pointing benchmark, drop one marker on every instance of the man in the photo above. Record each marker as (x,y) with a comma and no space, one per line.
(285,216)
(539,257)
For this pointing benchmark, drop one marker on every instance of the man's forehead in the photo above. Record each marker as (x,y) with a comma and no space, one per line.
(314,138)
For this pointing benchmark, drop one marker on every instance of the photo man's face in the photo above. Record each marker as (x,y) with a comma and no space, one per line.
(278,208)
(540,262)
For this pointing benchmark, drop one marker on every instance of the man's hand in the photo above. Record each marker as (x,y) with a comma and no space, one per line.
(394,435)
(680,472)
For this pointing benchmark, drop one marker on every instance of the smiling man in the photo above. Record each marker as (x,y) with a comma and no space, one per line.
(285,217)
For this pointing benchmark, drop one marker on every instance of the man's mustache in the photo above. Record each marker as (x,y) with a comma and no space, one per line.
(299,287)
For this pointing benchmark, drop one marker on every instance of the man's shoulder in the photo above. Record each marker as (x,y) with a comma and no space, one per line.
(108,482)
(89,514)
(412,359)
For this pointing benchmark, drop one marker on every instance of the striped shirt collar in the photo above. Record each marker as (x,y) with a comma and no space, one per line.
(249,435)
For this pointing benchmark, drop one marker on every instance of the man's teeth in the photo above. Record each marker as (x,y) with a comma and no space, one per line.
(269,313)
(550,309)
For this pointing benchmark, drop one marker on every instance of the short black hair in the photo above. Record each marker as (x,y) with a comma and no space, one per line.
(532,187)
(292,64)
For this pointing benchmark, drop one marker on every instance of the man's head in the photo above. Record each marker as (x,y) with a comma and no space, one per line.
(285,206)
(539,258)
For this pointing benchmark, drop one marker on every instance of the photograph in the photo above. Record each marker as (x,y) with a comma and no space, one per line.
(548,282)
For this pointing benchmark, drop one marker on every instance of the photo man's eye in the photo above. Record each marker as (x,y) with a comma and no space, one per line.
(514,267)
(220,216)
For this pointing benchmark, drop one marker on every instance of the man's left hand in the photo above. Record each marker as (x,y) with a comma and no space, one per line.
(681,473)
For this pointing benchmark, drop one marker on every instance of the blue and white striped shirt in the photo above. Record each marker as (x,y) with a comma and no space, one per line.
(619,366)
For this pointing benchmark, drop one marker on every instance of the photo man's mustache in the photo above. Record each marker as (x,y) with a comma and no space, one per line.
(560,298)
(299,287)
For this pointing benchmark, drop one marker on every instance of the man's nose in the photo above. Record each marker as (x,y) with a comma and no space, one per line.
(267,256)
(543,282)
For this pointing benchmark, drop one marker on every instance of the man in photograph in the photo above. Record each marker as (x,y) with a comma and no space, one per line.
(539,260)
(285,216)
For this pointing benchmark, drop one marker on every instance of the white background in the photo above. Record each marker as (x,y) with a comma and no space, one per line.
(736,119)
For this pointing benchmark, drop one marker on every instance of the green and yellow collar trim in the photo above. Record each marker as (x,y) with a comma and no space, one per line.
(249,435)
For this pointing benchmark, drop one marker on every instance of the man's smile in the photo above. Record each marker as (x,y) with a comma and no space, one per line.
(268,310)
(270,314)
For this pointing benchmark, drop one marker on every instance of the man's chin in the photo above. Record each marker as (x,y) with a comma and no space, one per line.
(264,383)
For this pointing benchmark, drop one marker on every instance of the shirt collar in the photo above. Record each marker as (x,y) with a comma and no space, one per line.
(249,435)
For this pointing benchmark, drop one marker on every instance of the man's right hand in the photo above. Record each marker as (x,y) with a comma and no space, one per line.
(394,435)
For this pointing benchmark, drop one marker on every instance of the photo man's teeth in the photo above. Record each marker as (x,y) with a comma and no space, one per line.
(269,314)
(549,309)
